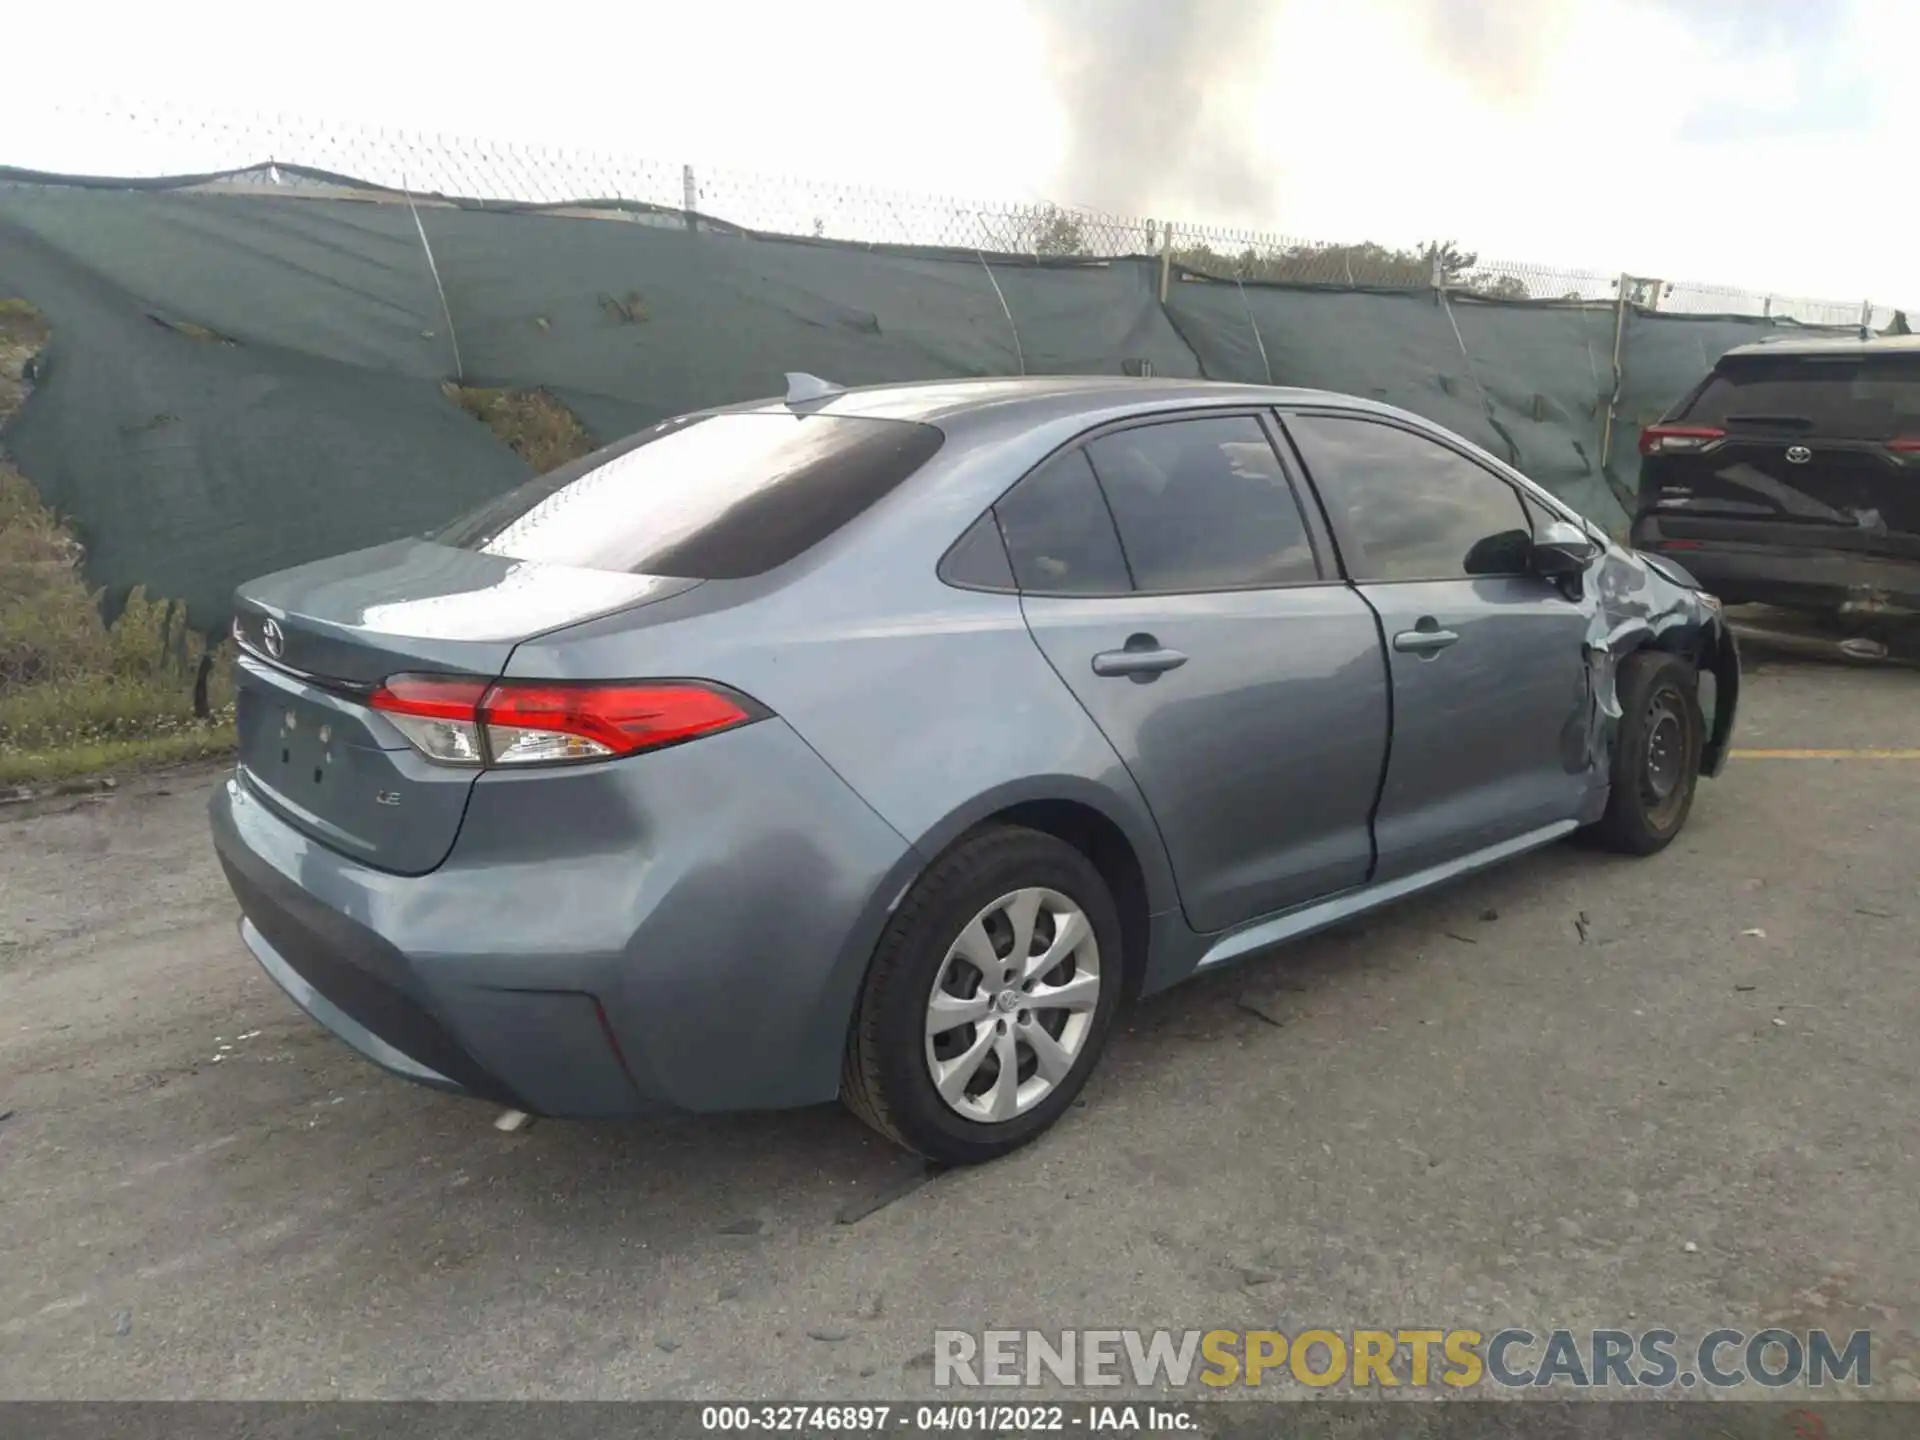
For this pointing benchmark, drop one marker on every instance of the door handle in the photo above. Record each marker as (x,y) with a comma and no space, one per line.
(1426,638)
(1143,658)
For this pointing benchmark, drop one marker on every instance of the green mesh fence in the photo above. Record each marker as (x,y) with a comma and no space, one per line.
(241,380)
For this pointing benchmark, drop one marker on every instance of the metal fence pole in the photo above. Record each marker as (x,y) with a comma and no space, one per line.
(1623,290)
(433,269)
(689,197)
(1166,258)
(1866,318)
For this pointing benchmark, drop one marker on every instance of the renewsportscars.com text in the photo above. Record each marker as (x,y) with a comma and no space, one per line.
(1456,1359)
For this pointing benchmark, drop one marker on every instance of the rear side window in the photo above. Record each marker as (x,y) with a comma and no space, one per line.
(1416,509)
(1848,398)
(978,559)
(1203,505)
(714,497)
(1059,534)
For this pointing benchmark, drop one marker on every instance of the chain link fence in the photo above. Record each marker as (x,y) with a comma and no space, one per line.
(1690,299)
(150,142)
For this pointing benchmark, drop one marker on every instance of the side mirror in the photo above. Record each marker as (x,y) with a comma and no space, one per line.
(1503,554)
(1562,549)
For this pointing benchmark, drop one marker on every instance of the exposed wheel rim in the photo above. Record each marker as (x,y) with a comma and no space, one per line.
(1665,762)
(1012,1006)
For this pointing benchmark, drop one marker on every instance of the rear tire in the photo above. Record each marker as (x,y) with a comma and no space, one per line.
(1656,754)
(955,992)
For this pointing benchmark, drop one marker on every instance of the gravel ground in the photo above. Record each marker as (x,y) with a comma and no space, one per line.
(1580,1091)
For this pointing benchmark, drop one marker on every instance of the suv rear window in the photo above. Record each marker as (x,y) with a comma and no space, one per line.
(1850,397)
(705,497)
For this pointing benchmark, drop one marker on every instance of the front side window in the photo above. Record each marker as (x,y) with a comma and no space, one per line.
(1203,505)
(712,497)
(1416,509)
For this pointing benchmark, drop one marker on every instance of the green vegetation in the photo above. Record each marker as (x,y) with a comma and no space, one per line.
(77,695)
(1365,264)
(1053,231)
(538,428)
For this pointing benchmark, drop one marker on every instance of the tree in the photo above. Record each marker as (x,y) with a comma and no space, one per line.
(1452,264)
(1501,287)
(1053,231)
(1365,264)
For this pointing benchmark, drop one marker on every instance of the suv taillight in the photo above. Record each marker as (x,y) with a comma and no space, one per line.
(1905,445)
(459,721)
(1676,439)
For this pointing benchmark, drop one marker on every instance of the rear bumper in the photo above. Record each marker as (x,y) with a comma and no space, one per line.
(314,1001)
(1794,577)
(686,930)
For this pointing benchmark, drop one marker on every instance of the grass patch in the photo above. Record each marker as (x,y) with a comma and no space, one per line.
(39,767)
(77,695)
(537,427)
(22,334)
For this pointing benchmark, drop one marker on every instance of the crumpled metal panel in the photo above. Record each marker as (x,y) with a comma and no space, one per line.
(1650,602)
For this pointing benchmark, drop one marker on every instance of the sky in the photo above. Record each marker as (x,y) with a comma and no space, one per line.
(1761,144)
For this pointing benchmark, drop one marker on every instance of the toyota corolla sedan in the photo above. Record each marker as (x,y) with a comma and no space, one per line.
(880,743)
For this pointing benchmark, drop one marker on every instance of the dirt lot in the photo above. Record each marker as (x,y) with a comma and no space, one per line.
(1580,1091)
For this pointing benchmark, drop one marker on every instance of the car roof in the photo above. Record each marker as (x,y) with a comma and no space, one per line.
(1829,345)
(1037,398)
(991,405)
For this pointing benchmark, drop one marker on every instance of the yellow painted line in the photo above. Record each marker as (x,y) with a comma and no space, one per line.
(1825,754)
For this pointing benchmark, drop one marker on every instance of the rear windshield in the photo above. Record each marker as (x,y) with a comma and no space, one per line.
(1848,398)
(714,497)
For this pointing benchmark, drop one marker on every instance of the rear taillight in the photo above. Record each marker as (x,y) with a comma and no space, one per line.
(1675,439)
(458,721)
(1905,445)
(529,723)
(440,716)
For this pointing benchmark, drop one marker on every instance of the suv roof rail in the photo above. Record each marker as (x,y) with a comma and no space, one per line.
(1841,343)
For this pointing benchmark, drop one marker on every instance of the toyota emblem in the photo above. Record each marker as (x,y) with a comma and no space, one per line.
(1799,454)
(273,638)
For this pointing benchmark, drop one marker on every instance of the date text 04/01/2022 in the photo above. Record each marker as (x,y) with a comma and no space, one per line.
(977,1418)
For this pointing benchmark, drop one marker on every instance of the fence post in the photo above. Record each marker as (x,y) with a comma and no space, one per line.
(1166,257)
(433,269)
(1623,288)
(1436,271)
(1866,318)
(1766,307)
(689,197)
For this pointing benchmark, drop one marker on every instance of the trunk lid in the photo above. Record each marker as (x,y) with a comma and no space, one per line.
(316,641)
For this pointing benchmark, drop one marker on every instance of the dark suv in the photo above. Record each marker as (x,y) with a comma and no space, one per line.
(1790,476)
